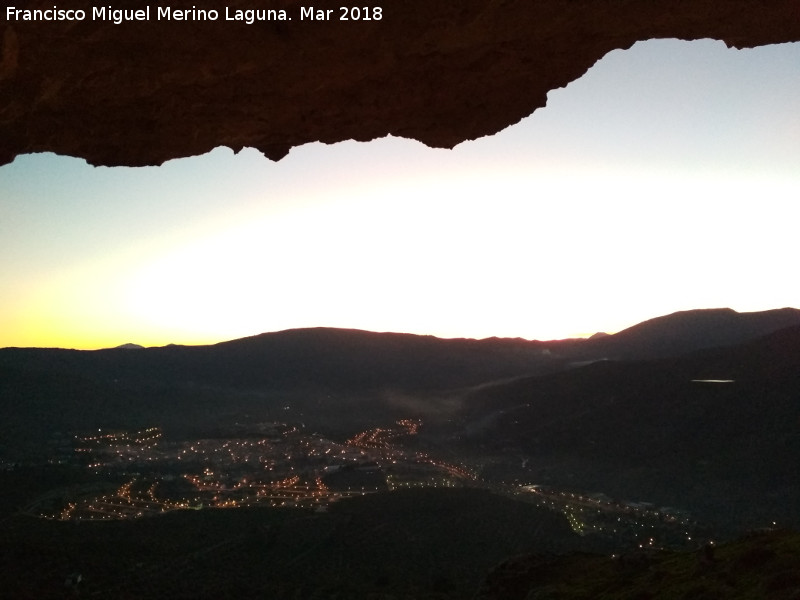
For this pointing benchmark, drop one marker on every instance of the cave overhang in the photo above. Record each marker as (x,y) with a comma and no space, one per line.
(439,71)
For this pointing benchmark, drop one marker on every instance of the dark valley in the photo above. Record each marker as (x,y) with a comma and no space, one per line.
(325,463)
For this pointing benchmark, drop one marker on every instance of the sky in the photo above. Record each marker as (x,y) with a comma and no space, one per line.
(664,179)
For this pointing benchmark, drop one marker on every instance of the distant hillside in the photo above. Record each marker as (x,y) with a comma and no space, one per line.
(421,544)
(344,359)
(683,332)
(334,378)
(676,431)
(339,359)
(130,346)
(341,380)
(353,358)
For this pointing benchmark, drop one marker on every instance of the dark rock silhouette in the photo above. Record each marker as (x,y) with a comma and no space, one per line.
(659,575)
(440,72)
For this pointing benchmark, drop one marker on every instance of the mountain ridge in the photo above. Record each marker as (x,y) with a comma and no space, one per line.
(744,324)
(714,430)
(352,358)
(685,331)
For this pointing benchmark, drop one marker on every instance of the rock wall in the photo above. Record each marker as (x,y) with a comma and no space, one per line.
(439,71)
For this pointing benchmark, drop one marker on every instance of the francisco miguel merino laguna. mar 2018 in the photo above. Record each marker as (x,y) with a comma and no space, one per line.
(166,13)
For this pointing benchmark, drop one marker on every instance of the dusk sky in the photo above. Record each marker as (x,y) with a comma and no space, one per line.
(667,178)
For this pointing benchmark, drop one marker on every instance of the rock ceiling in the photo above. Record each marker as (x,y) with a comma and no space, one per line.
(438,71)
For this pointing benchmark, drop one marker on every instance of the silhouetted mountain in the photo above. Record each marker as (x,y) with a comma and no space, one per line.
(713,430)
(332,358)
(352,359)
(682,332)
(425,543)
(716,428)
(342,379)
(330,376)
(598,335)
(361,359)
(759,565)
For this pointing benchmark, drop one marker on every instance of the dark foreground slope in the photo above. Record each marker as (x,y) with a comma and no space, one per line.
(757,566)
(717,431)
(405,544)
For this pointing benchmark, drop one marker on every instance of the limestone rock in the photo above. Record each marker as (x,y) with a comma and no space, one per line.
(438,71)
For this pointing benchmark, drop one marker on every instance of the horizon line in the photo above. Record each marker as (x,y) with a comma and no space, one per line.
(577,336)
